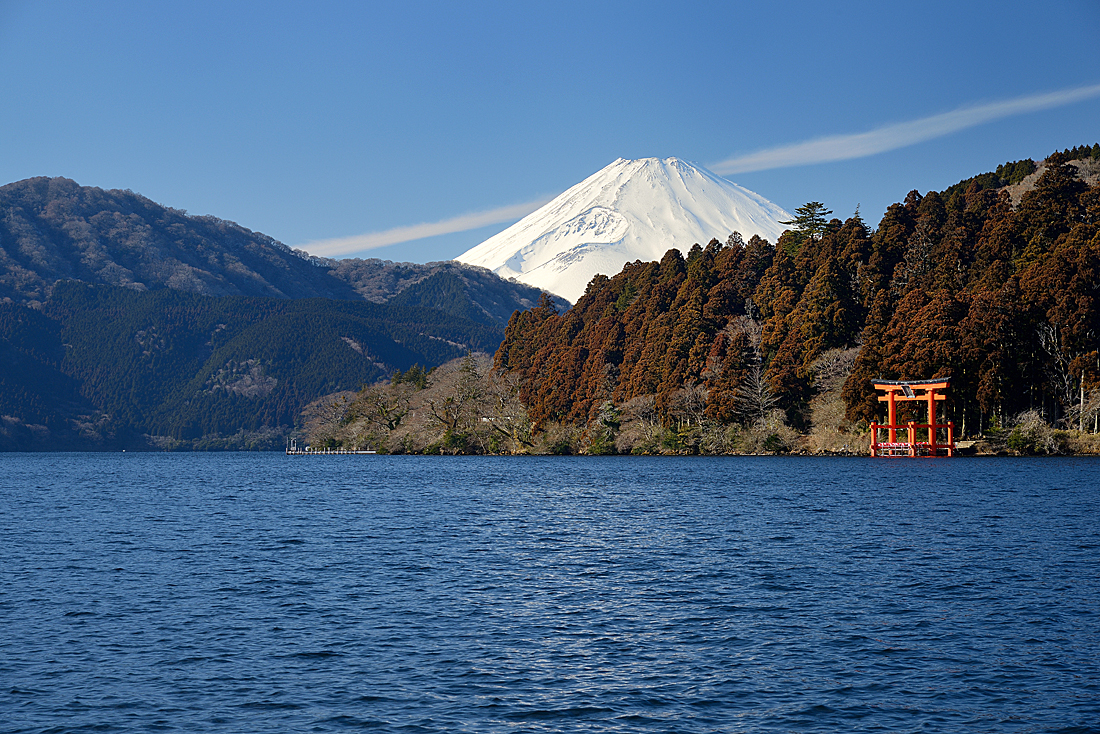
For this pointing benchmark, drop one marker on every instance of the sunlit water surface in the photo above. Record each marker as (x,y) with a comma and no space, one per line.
(257,593)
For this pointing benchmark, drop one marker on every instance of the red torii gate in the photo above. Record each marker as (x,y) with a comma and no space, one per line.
(912,390)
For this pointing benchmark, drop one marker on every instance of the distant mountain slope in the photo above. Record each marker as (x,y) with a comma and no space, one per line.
(631,210)
(33,389)
(485,296)
(102,365)
(54,229)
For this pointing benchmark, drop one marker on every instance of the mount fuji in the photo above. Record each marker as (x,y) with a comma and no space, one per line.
(631,210)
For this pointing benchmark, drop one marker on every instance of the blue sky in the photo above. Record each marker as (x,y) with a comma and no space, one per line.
(328,120)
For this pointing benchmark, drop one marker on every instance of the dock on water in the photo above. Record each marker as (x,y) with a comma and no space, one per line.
(292,449)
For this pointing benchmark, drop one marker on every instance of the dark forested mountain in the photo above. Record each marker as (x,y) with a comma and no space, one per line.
(121,319)
(994,282)
(33,388)
(53,229)
(101,365)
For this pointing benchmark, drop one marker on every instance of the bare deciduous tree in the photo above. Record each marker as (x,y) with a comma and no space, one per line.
(755,399)
(458,389)
(1057,366)
(384,406)
(688,404)
(832,368)
(506,413)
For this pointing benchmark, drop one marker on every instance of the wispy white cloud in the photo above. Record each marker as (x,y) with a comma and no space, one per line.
(372,240)
(891,137)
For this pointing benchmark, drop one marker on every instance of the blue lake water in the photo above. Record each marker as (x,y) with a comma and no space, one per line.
(265,593)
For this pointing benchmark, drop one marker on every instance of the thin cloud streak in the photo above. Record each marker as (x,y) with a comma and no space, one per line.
(358,243)
(900,135)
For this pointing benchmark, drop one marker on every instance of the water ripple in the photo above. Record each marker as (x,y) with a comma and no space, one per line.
(403,594)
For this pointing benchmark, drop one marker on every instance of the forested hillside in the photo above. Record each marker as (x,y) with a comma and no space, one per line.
(52,229)
(1003,297)
(146,352)
(102,366)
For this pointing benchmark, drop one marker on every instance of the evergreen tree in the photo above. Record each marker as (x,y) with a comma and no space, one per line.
(809,221)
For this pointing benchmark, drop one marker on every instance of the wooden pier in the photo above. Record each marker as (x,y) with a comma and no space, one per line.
(293,450)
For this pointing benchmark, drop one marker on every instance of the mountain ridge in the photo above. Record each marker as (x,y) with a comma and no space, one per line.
(54,229)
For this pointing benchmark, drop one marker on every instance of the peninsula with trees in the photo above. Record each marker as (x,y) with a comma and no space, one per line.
(756,347)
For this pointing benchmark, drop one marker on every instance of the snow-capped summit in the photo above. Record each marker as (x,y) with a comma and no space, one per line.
(631,210)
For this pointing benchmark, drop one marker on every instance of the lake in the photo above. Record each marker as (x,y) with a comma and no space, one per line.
(266,593)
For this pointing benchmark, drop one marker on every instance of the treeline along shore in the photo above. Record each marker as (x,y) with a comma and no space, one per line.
(126,324)
(754,347)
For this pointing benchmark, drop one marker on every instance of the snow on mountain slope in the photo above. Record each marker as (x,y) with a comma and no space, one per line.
(631,210)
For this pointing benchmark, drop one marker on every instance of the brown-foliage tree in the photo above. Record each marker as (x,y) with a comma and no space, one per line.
(1004,300)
